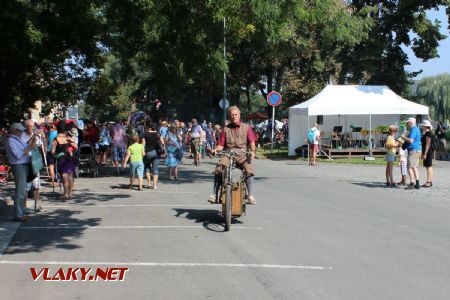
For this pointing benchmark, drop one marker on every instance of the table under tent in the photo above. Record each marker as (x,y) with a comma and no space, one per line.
(353,119)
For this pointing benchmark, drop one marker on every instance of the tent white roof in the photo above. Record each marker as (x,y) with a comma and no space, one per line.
(358,100)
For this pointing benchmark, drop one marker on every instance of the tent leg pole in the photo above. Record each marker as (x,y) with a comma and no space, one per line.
(307,145)
(370,135)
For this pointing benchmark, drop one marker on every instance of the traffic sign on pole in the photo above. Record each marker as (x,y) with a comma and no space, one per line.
(274,98)
(224,104)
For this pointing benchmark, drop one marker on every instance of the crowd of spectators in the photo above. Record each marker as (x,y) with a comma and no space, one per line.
(144,144)
(57,143)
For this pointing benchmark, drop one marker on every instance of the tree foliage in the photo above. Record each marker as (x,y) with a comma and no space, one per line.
(109,97)
(171,50)
(435,92)
(271,45)
(380,59)
(47,47)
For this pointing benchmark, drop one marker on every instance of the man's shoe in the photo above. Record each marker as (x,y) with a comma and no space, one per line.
(251,200)
(212,199)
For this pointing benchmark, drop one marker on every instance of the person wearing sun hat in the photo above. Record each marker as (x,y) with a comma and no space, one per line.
(427,151)
(391,147)
(414,152)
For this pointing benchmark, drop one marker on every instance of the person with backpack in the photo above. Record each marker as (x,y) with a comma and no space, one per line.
(312,139)
(441,150)
(429,144)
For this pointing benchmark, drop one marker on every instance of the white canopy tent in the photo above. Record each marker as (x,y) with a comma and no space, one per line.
(346,105)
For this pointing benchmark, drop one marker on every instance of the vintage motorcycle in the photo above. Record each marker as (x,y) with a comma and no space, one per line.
(234,189)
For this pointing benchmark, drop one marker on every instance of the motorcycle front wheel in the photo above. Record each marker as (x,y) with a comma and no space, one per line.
(228,208)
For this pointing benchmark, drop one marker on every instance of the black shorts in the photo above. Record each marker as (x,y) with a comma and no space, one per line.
(50,159)
(428,162)
(103,148)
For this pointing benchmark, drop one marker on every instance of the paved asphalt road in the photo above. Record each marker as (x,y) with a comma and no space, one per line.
(307,238)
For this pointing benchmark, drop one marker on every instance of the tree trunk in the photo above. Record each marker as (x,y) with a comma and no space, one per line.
(269,75)
(249,104)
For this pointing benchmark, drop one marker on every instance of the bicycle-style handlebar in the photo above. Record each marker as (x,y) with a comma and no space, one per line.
(230,153)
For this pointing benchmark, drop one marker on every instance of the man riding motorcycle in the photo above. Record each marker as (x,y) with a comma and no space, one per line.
(235,136)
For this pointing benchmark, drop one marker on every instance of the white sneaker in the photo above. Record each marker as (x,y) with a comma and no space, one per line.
(212,199)
(251,200)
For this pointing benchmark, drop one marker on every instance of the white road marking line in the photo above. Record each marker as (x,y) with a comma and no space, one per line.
(132,227)
(126,192)
(7,231)
(126,205)
(164,264)
(94,182)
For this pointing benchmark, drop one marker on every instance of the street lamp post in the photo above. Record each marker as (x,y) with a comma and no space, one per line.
(224,72)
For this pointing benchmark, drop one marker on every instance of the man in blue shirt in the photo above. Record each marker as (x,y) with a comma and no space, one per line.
(414,150)
(163,129)
(19,159)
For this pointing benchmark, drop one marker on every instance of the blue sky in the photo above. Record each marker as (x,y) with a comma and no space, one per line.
(438,65)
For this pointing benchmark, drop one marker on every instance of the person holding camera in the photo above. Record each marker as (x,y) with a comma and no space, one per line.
(19,159)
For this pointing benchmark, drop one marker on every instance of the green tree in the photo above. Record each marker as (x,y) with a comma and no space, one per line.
(110,97)
(179,45)
(47,48)
(379,59)
(435,92)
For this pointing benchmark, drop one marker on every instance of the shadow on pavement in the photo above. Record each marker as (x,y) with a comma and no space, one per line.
(83,196)
(40,239)
(371,184)
(210,218)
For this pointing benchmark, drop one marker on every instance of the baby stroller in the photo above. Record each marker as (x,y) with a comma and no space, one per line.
(86,160)
(4,173)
